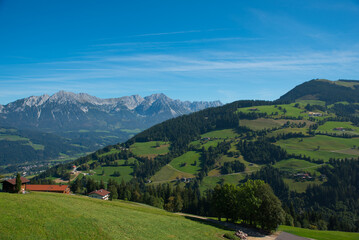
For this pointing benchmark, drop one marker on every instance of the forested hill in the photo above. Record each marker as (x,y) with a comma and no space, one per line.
(301,149)
(325,90)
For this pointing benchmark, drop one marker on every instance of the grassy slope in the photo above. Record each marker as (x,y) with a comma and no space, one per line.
(57,216)
(330,125)
(225,133)
(329,147)
(149,148)
(296,165)
(320,235)
(185,163)
(168,173)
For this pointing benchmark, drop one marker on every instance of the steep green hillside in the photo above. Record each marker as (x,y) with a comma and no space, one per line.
(325,90)
(57,216)
(293,146)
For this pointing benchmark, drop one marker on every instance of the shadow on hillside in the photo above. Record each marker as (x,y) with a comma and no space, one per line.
(210,222)
(252,232)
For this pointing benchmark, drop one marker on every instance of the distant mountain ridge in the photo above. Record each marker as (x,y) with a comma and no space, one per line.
(70,111)
(80,123)
(325,90)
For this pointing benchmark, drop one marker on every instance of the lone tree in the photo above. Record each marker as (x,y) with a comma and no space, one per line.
(18,183)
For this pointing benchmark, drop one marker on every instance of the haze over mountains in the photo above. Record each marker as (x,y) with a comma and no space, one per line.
(80,122)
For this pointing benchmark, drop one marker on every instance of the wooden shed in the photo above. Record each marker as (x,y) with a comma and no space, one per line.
(9,184)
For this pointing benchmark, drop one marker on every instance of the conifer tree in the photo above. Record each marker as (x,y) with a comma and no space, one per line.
(18,183)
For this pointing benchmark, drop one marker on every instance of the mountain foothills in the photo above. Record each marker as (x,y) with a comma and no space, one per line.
(67,124)
(305,146)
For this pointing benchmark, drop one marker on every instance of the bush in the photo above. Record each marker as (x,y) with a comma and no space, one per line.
(230,236)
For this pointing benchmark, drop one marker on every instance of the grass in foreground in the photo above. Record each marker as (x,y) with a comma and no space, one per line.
(319,235)
(57,216)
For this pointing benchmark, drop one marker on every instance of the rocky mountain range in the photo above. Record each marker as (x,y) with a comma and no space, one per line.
(66,111)
(67,124)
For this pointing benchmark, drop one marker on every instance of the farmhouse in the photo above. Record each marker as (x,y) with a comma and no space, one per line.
(315,114)
(9,184)
(100,194)
(48,188)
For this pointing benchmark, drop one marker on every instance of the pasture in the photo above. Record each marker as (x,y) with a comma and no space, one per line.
(188,162)
(59,216)
(329,147)
(319,235)
(150,149)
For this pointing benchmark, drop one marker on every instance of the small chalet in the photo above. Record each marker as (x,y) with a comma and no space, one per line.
(48,188)
(9,184)
(314,114)
(100,194)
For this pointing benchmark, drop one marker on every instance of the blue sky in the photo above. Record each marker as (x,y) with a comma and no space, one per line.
(189,50)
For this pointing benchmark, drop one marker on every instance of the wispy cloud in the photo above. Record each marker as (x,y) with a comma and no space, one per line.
(204,40)
(180,32)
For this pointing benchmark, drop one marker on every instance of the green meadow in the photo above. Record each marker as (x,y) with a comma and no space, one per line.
(150,148)
(260,123)
(329,147)
(188,162)
(225,133)
(210,182)
(58,216)
(125,172)
(319,235)
(169,173)
(298,186)
(331,125)
(296,165)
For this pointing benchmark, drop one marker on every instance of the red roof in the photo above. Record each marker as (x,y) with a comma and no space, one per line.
(13,180)
(101,192)
(47,188)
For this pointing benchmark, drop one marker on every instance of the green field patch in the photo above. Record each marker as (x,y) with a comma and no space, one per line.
(298,186)
(60,216)
(318,234)
(346,84)
(134,131)
(188,162)
(168,173)
(328,146)
(125,172)
(225,133)
(276,110)
(7,137)
(152,148)
(310,102)
(112,151)
(284,110)
(287,130)
(339,128)
(260,123)
(296,165)
(210,182)
(36,146)
(211,143)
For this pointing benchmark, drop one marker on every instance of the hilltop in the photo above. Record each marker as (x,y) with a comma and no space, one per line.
(325,90)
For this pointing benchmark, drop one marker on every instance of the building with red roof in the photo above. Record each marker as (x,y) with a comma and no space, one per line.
(48,188)
(9,184)
(100,194)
